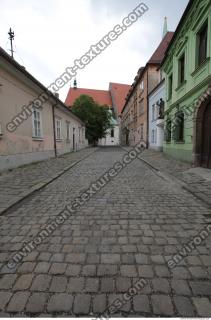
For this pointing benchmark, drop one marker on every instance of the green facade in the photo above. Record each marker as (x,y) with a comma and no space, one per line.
(182,97)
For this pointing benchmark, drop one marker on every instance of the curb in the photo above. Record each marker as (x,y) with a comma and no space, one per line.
(41,185)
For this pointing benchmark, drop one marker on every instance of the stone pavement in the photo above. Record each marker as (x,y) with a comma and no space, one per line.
(18,183)
(195,180)
(127,231)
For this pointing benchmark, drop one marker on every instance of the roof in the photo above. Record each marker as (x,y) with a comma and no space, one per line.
(159,53)
(178,29)
(20,68)
(118,94)
(100,96)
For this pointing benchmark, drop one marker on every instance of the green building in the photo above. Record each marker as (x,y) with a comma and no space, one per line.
(187,69)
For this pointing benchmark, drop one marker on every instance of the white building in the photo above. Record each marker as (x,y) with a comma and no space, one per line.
(112,136)
(156,117)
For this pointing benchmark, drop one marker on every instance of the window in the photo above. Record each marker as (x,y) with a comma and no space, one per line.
(142,132)
(182,69)
(37,125)
(68,130)
(142,85)
(141,107)
(202,44)
(170,86)
(179,127)
(153,136)
(112,133)
(168,130)
(153,112)
(58,129)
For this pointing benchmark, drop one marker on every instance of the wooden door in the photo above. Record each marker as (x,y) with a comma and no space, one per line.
(206,138)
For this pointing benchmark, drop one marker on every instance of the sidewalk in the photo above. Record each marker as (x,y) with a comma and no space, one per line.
(195,180)
(18,183)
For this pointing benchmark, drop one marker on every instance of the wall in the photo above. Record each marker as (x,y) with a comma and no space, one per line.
(197,78)
(110,141)
(155,97)
(64,145)
(19,147)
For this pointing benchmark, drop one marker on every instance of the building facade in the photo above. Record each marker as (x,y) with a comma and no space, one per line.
(34,133)
(135,123)
(187,68)
(112,136)
(114,98)
(156,116)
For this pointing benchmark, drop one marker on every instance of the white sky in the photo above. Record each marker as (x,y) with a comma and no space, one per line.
(51,34)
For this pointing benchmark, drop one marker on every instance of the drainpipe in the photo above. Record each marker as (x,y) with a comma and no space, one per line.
(54,130)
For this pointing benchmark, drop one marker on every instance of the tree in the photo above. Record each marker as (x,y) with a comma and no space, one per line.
(97,118)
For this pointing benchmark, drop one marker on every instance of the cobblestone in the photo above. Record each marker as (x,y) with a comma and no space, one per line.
(36,303)
(60,303)
(203,306)
(127,231)
(18,302)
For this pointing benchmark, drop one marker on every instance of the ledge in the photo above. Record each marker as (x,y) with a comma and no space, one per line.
(200,66)
(37,139)
(181,85)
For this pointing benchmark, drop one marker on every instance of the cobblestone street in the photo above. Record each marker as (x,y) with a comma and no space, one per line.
(128,231)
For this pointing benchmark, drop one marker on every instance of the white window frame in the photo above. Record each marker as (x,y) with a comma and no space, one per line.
(58,129)
(68,130)
(37,133)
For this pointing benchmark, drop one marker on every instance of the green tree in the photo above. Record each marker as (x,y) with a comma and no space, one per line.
(96,117)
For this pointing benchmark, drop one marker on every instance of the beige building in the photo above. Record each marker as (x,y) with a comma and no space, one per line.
(34,124)
(134,124)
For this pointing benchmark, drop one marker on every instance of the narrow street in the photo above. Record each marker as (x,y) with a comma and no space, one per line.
(128,231)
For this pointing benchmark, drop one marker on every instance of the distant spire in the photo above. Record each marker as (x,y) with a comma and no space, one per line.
(165,27)
(75,84)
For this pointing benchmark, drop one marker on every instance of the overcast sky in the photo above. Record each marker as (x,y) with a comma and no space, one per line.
(51,34)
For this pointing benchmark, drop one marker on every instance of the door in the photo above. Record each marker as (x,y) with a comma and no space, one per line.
(206,138)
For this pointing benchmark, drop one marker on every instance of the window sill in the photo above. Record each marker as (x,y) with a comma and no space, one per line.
(37,138)
(58,140)
(198,68)
(179,142)
(181,85)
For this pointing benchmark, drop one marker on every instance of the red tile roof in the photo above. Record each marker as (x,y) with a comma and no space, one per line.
(159,53)
(118,94)
(114,97)
(100,96)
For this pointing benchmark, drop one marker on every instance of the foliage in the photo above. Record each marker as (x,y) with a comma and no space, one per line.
(97,118)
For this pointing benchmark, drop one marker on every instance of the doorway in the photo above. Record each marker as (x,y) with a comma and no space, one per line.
(206,138)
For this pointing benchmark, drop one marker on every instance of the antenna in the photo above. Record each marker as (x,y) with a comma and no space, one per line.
(11,38)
